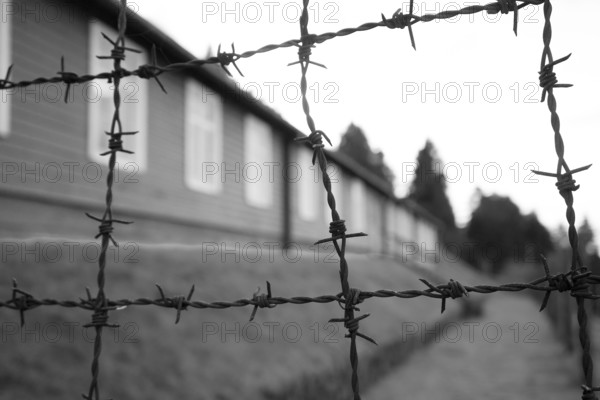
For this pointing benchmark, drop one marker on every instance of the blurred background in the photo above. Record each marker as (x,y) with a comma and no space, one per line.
(224,199)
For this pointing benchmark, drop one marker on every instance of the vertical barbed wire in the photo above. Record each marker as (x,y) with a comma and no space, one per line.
(115,145)
(337,227)
(566,186)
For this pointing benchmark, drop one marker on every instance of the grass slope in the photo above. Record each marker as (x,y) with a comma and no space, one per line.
(210,354)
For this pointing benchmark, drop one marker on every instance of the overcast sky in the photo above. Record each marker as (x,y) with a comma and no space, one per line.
(471,87)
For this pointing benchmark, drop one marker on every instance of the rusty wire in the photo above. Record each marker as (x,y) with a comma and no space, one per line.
(577,281)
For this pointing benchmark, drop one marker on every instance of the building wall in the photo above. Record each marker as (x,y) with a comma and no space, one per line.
(55,180)
(416,237)
(405,224)
(406,245)
(389,227)
(429,247)
(310,215)
(361,206)
(374,227)
(48,134)
(427,235)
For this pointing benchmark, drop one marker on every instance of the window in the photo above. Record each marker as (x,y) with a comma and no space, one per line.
(390,218)
(426,235)
(258,168)
(404,224)
(5,61)
(99,98)
(308,185)
(358,219)
(203,138)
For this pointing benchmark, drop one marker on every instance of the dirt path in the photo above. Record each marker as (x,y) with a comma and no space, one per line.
(509,352)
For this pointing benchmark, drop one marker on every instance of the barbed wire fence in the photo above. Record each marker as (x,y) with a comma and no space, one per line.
(577,281)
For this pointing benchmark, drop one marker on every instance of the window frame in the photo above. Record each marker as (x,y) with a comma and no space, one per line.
(307,208)
(358,196)
(196,95)
(405,223)
(253,148)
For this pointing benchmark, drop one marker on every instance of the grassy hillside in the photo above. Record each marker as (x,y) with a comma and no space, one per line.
(210,354)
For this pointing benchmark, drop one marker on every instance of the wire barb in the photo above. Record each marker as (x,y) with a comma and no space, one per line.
(453,289)
(401,21)
(115,143)
(262,300)
(338,231)
(564,182)
(548,80)
(105,228)
(228,58)
(588,392)
(152,71)
(315,139)
(6,83)
(505,6)
(118,51)
(68,78)
(100,318)
(21,300)
(559,282)
(351,323)
(179,303)
(304,51)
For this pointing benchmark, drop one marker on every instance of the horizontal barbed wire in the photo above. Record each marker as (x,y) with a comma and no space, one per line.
(398,20)
(24,301)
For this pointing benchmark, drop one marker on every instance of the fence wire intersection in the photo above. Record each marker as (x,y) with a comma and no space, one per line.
(577,281)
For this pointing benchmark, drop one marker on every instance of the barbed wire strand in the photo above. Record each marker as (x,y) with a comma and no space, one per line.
(115,145)
(224,59)
(25,301)
(577,280)
(566,186)
(337,227)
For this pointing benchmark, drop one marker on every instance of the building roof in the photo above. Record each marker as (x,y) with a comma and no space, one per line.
(417,208)
(147,34)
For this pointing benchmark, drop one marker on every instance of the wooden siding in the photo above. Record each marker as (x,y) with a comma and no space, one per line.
(311,231)
(304,231)
(46,133)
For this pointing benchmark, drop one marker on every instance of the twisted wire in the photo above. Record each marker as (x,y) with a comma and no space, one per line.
(443,291)
(577,281)
(566,186)
(337,227)
(153,71)
(100,316)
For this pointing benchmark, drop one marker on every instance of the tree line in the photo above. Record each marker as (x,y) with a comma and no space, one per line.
(497,232)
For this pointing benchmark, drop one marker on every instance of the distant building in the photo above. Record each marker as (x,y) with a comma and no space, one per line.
(210,162)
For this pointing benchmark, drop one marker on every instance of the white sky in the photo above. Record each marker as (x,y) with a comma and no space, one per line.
(377,81)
